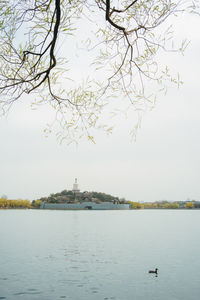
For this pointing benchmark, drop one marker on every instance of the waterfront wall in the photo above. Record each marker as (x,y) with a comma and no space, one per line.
(84,205)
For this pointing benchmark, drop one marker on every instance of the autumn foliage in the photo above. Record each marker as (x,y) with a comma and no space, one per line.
(5,203)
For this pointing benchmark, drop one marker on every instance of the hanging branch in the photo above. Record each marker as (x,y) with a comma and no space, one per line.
(35,78)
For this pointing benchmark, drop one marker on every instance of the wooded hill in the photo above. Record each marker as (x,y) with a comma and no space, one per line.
(71,197)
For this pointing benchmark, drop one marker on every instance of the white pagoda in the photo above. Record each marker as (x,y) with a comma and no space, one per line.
(75,187)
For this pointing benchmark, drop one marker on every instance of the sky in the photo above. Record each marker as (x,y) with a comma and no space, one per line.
(162,164)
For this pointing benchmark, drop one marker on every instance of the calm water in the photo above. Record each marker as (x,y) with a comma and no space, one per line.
(50,255)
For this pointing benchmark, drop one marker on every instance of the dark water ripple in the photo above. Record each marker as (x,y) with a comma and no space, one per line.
(30,292)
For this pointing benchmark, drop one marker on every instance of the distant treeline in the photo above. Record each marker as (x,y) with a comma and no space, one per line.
(5,203)
(165,205)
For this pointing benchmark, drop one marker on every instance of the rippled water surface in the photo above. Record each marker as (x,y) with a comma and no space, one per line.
(50,255)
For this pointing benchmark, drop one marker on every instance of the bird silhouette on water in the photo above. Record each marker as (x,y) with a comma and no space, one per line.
(154,271)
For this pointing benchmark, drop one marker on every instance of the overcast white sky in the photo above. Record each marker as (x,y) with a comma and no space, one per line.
(163,163)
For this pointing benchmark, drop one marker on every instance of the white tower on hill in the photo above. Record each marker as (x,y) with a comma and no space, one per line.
(75,187)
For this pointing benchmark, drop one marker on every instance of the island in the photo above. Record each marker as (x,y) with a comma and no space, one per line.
(75,199)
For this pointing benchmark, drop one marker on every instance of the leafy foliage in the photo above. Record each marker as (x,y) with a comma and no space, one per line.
(135,205)
(189,205)
(69,196)
(5,203)
(36,203)
(162,204)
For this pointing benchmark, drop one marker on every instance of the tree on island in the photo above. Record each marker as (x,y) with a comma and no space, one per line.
(124,37)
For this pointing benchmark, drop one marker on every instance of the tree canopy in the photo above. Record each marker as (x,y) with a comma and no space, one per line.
(123,38)
(69,196)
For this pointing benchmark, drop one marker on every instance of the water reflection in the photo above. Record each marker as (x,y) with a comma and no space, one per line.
(98,255)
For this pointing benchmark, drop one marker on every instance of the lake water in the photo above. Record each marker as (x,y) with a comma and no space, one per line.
(99,255)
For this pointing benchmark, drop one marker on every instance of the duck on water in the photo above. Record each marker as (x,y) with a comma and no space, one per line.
(154,271)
